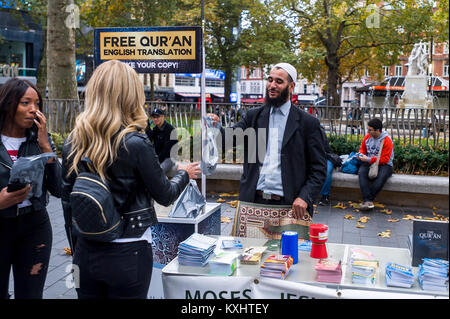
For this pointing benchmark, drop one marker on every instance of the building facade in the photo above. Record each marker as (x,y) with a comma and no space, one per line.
(21,44)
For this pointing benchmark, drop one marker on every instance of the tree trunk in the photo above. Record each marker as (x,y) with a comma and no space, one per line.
(227,84)
(333,79)
(41,82)
(333,99)
(61,77)
(61,73)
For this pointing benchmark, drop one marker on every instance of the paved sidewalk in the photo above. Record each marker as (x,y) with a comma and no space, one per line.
(341,230)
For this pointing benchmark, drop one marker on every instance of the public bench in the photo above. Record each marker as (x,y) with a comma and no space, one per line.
(400,190)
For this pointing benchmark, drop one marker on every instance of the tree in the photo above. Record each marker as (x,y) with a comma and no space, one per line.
(223,45)
(125,13)
(346,37)
(61,78)
(265,39)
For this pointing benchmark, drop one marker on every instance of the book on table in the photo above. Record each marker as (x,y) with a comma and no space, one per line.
(223,264)
(328,270)
(196,250)
(231,244)
(429,240)
(252,255)
(276,266)
(433,274)
(364,271)
(399,275)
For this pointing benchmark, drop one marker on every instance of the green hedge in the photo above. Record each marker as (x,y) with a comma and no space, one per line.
(408,159)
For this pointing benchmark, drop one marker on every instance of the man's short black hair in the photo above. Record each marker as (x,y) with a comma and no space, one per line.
(376,124)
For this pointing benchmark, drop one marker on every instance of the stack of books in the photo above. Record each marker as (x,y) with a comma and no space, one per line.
(328,270)
(252,255)
(276,266)
(363,267)
(433,274)
(223,264)
(196,250)
(399,275)
(364,272)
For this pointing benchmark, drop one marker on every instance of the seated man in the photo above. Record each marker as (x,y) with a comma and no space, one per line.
(160,137)
(333,161)
(370,147)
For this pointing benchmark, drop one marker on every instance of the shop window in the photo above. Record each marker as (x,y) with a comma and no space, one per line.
(214,83)
(184,81)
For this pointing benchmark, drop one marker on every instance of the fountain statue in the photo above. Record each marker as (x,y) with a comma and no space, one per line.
(415,93)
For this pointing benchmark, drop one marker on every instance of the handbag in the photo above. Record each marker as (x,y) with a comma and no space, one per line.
(373,170)
(335,159)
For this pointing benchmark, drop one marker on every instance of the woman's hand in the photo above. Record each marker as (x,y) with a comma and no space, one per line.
(192,169)
(44,144)
(9,199)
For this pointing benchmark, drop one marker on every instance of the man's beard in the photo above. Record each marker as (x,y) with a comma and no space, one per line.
(278,101)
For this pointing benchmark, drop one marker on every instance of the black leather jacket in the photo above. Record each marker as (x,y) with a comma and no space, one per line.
(135,180)
(52,174)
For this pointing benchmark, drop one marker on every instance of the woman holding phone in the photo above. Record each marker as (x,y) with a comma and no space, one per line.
(25,230)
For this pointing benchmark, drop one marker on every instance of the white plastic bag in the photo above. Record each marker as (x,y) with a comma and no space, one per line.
(30,170)
(210,153)
(190,202)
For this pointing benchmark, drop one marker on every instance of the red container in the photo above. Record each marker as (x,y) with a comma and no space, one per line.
(318,234)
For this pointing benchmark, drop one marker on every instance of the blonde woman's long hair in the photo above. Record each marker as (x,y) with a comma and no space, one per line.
(114,106)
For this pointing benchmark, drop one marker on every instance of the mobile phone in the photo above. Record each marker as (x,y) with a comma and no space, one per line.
(15,187)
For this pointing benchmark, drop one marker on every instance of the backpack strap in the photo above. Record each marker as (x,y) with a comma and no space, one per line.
(84,167)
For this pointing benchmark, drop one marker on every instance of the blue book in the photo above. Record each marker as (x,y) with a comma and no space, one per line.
(429,240)
(231,244)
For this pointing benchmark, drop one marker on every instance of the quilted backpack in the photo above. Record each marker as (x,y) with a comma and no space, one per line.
(94,216)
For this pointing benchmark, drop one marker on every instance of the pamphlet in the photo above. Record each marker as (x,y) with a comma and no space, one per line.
(252,255)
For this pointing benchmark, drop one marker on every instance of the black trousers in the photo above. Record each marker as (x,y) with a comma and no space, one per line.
(112,270)
(25,244)
(371,188)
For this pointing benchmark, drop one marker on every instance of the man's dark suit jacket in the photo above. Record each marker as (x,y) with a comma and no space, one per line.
(303,161)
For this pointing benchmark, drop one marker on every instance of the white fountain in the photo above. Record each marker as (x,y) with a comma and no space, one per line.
(415,94)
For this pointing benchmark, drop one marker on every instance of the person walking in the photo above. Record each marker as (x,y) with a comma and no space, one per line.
(369,150)
(25,229)
(111,133)
(294,166)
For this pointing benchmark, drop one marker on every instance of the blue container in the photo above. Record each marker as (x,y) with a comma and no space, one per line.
(289,244)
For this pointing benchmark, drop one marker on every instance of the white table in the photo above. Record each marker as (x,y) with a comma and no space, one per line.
(194,282)
(169,232)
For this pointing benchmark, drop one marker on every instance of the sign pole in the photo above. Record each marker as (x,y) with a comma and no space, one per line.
(202,98)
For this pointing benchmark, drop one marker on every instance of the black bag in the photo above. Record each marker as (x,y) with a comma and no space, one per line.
(335,159)
(94,216)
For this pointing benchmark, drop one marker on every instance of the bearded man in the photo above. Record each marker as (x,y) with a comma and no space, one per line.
(294,166)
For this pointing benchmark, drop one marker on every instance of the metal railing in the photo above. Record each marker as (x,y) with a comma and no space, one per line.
(429,127)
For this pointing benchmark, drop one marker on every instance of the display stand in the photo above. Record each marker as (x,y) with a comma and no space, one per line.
(169,232)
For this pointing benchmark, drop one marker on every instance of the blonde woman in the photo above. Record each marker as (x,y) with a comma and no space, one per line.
(110,132)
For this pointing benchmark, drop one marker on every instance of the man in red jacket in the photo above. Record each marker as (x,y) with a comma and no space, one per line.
(369,150)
